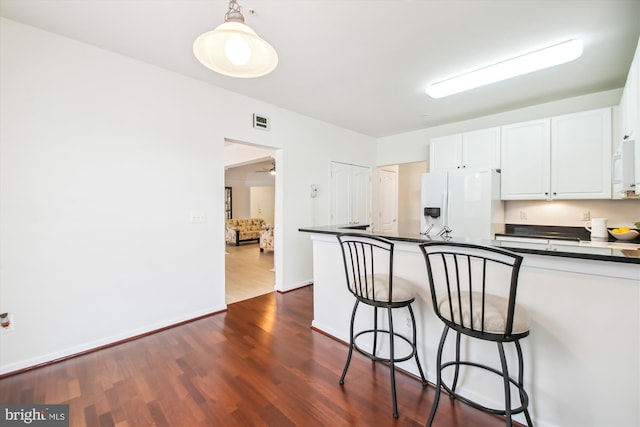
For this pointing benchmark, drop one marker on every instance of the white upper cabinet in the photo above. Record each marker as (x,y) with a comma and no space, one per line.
(630,102)
(470,150)
(445,153)
(581,155)
(630,112)
(481,149)
(565,157)
(526,161)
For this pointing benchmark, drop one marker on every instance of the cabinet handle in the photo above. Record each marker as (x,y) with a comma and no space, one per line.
(555,194)
(546,194)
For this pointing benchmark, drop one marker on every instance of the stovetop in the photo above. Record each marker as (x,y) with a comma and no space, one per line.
(546,232)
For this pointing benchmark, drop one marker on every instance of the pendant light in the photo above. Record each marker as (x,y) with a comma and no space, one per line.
(234,49)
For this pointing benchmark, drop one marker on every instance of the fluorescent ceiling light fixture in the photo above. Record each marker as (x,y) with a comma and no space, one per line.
(534,61)
(234,49)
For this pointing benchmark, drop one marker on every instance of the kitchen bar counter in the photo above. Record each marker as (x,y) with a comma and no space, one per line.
(584,302)
(619,252)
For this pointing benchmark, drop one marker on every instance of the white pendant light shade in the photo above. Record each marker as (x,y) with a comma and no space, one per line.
(235,50)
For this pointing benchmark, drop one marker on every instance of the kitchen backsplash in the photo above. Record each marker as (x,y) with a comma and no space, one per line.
(570,213)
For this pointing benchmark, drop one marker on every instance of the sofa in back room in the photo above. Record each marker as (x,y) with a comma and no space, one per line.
(243,230)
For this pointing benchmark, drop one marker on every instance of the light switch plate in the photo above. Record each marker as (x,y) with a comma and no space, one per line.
(197,217)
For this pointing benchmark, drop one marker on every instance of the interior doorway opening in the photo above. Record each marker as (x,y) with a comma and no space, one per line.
(250,175)
(399,187)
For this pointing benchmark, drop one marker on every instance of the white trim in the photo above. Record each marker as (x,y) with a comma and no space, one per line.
(114,339)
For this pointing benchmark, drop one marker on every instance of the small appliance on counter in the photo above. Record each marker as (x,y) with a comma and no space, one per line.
(598,229)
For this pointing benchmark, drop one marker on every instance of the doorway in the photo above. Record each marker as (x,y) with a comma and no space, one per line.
(250,172)
(387,221)
(405,200)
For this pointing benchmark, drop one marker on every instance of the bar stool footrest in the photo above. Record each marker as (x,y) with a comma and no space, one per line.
(373,357)
(524,397)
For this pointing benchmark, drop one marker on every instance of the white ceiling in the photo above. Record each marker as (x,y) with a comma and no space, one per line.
(240,154)
(363,65)
(256,174)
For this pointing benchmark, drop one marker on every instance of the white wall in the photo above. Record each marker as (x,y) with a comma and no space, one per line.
(240,199)
(102,160)
(568,213)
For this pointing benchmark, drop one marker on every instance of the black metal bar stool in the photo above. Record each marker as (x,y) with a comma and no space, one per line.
(473,290)
(368,264)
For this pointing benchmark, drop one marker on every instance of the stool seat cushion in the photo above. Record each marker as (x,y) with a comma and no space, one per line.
(495,315)
(378,290)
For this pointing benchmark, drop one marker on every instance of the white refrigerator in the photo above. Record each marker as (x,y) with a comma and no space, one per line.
(466,201)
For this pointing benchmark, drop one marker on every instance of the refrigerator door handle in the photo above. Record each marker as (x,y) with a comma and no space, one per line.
(445,203)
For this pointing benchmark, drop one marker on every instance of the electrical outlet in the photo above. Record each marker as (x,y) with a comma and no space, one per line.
(586,216)
(6,322)
(408,322)
(523,214)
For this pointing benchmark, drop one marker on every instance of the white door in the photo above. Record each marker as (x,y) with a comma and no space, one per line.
(350,194)
(361,195)
(340,193)
(387,201)
(262,203)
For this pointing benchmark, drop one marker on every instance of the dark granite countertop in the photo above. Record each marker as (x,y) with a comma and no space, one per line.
(578,248)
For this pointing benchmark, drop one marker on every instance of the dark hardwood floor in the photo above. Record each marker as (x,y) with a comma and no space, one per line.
(258,364)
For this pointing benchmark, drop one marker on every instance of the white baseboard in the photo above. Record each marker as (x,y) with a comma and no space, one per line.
(95,344)
(294,286)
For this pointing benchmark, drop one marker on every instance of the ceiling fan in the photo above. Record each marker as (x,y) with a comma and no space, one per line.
(271,170)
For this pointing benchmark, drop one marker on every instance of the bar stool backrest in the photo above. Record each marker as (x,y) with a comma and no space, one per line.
(478,285)
(368,264)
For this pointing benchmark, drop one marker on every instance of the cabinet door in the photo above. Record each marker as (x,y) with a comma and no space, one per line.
(632,90)
(581,155)
(630,101)
(635,113)
(526,166)
(481,149)
(445,153)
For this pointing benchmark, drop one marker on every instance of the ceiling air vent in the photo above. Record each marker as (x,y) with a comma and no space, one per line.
(260,122)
